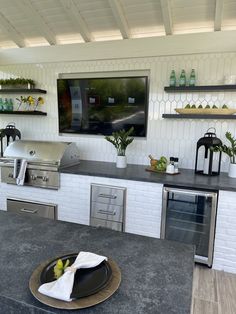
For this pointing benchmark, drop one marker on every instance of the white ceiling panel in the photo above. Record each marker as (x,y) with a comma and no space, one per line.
(59,22)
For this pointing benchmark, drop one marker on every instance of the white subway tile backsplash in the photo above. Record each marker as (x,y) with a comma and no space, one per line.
(210,69)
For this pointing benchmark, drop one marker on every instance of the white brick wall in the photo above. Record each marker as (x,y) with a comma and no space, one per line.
(225,239)
(165,137)
(143,204)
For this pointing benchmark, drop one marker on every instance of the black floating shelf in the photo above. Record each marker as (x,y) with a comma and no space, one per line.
(28,113)
(23,90)
(199,116)
(202,88)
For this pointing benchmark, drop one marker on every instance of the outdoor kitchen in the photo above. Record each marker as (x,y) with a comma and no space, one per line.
(117,156)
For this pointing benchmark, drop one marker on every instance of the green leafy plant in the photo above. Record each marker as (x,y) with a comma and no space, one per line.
(228,150)
(16,81)
(121,139)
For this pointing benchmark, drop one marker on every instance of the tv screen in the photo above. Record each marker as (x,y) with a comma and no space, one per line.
(103,105)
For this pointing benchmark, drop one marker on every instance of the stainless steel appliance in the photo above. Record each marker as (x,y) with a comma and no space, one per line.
(44,159)
(30,208)
(107,206)
(189,216)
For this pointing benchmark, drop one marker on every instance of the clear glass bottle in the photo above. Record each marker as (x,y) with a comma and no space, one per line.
(176,164)
(170,167)
(182,79)
(172,78)
(192,79)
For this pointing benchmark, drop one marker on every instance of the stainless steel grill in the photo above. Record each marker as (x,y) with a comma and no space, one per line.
(44,159)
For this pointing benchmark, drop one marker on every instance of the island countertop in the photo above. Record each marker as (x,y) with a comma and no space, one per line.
(186,177)
(156,274)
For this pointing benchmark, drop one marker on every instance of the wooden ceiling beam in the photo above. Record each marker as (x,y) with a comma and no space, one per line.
(29,10)
(166,15)
(218,15)
(72,11)
(11,32)
(119,15)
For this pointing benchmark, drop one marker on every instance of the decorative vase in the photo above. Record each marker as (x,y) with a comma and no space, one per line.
(121,162)
(232,170)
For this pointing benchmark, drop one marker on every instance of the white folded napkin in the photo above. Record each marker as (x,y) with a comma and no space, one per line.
(62,288)
(21,176)
(16,167)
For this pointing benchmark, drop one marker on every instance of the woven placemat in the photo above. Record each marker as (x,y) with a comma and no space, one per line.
(102,295)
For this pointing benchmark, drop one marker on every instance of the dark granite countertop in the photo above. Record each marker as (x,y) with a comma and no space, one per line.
(186,178)
(156,274)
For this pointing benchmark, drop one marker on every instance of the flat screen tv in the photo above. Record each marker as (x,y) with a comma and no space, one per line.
(103,105)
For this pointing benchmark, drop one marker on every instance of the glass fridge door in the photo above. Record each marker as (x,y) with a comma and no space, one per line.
(189,217)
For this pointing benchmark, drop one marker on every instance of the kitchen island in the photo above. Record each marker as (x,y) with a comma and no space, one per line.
(156,274)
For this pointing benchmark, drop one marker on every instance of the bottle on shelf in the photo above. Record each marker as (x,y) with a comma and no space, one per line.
(172,78)
(192,79)
(5,105)
(10,105)
(182,79)
(1,104)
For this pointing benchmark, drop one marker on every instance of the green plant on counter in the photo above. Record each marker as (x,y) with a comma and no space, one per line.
(228,150)
(121,139)
(16,81)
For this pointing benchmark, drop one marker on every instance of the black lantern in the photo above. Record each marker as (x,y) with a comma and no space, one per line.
(209,163)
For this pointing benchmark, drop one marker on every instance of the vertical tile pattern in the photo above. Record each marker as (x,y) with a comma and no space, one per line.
(165,137)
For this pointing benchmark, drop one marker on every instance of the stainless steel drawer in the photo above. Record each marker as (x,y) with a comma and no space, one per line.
(30,208)
(108,194)
(107,212)
(118,226)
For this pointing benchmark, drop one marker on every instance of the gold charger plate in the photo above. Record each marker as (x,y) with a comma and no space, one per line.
(111,287)
(206,111)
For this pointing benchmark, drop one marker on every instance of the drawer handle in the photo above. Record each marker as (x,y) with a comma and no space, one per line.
(113,197)
(107,212)
(28,211)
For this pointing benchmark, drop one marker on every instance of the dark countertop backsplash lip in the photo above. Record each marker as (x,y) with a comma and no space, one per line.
(185,179)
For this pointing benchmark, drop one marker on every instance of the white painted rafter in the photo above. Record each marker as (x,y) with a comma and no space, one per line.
(166,15)
(119,15)
(11,32)
(72,11)
(218,15)
(29,10)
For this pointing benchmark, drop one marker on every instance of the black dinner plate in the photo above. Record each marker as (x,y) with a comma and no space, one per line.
(87,281)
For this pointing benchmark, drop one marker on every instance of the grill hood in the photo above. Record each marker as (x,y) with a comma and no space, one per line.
(60,154)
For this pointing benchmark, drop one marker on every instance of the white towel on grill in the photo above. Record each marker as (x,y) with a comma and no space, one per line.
(62,288)
(21,176)
(16,168)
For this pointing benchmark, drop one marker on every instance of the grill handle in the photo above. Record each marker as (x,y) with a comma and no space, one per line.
(107,212)
(28,211)
(113,197)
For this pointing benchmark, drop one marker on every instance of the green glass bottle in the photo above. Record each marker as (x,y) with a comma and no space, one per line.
(1,105)
(10,105)
(5,105)
(192,79)
(182,79)
(172,78)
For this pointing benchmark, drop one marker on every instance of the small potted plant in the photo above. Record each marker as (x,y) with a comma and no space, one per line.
(16,83)
(231,152)
(121,139)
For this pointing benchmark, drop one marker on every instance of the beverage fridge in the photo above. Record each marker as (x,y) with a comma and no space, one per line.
(189,216)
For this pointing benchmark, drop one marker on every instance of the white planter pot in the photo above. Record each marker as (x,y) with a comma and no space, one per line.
(121,162)
(232,170)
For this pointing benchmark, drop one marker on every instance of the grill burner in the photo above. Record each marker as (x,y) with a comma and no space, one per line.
(44,161)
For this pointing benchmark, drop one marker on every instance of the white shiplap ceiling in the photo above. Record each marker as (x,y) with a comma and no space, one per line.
(28,23)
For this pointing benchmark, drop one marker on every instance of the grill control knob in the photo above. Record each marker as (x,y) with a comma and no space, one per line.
(33,177)
(45,179)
